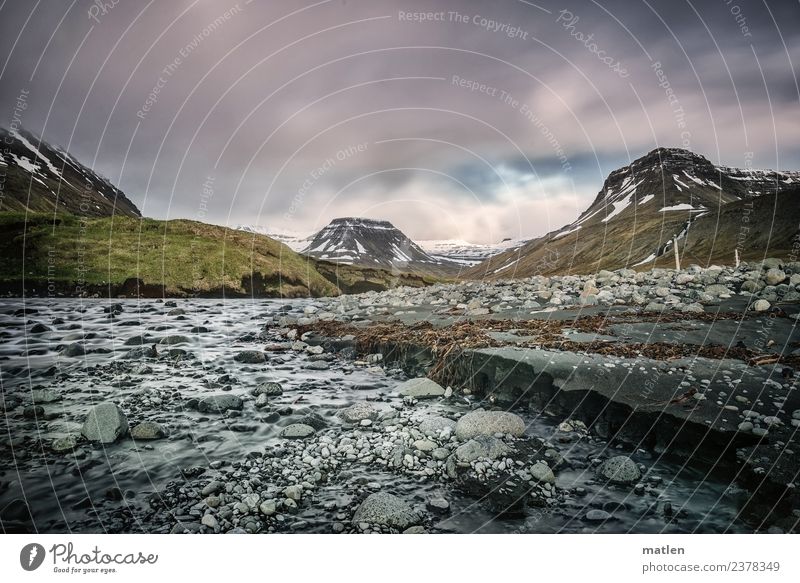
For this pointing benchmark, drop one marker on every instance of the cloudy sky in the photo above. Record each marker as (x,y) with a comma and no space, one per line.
(453,119)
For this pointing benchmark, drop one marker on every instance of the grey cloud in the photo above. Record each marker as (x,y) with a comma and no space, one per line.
(281,105)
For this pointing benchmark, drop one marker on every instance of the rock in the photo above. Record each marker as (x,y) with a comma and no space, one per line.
(596,515)
(694,308)
(268,507)
(270,389)
(174,339)
(717,289)
(64,444)
(386,510)
(39,328)
(297,431)
(44,396)
(317,365)
(761,306)
(220,403)
(141,352)
(483,446)
(212,488)
(415,530)
(542,472)
(33,412)
(148,430)
(209,521)
(438,505)
(421,388)
(262,401)
(105,423)
(294,492)
(74,349)
(619,470)
(774,276)
(433,426)
(750,286)
(488,423)
(424,445)
(251,357)
(358,412)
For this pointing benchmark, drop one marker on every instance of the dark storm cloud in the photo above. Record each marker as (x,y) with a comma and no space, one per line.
(500,121)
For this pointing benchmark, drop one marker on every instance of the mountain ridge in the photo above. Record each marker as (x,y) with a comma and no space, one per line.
(376,244)
(40,177)
(642,208)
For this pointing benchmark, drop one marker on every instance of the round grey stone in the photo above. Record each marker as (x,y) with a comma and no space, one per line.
(488,423)
(620,470)
(433,426)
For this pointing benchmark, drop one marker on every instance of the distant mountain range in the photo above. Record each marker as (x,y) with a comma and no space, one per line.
(42,178)
(438,252)
(665,196)
(669,194)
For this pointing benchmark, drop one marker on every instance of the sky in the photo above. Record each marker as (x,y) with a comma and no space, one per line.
(453,119)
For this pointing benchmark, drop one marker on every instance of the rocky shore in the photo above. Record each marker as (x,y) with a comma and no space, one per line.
(622,402)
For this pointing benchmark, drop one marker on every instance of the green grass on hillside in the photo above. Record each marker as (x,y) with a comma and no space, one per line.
(181,256)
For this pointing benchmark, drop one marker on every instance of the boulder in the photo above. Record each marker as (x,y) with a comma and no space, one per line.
(478,423)
(774,276)
(542,472)
(483,446)
(73,350)
(44,396)
(270,389)
(619,470)
(386,509)
(433,426)
(761,306)
(297,431)
(105,423)
(220,403)
(148,430)
(421,388)
(251,357)
(358,412)
(64,444)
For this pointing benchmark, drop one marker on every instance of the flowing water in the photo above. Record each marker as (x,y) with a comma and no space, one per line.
(83,490)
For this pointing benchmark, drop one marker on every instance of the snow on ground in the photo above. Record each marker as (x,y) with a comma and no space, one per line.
(684,206)
(647,259)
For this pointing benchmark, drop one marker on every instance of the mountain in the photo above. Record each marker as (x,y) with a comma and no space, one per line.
(667,194)
(376,244)
(464,252)
(39,177)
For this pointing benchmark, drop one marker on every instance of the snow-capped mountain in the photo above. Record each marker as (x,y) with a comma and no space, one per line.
(43,178)
(372,243)
(643,207)
(464,252)
(295,241)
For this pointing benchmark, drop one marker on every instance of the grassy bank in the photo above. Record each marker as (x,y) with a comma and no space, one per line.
(174,257)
